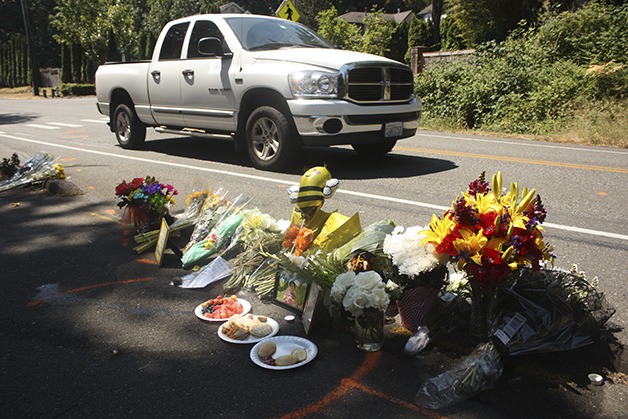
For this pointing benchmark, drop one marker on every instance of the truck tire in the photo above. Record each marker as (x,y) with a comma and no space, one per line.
(272,141)
(374,150)
(130,131)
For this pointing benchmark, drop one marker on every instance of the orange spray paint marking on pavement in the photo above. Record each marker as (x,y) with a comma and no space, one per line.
(93,286)
(352,383)
(147,261)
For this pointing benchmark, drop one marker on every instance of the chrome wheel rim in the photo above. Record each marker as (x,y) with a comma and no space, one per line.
(265,139)
(123,126)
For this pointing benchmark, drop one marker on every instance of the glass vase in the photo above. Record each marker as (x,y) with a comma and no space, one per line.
(369,330)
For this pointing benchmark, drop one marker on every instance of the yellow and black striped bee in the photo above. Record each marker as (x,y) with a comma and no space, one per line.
(316,185)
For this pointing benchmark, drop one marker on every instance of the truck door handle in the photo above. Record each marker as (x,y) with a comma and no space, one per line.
(155,73)
(188,72)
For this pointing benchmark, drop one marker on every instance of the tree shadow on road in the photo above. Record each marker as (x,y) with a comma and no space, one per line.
(16,118)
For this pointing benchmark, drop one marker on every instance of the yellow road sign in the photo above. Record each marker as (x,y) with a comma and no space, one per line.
(287,11)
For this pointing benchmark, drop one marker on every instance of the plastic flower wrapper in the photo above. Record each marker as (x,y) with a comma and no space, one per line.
(219,235)
(370,239)
(259,235)
(37,169)
(477,372)
(547,311)
(213,209)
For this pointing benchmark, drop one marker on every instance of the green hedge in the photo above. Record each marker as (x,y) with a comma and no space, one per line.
(72,89)
(525,85)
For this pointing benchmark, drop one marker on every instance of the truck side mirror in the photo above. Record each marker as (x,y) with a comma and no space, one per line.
(211,47)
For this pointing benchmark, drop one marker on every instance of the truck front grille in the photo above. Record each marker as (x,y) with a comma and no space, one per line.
(376,83)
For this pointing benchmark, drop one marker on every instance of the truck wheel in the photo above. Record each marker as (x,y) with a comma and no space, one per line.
(130,132)
(272,141)
(374,150)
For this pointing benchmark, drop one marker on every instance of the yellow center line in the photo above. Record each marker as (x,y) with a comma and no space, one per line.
(513,159)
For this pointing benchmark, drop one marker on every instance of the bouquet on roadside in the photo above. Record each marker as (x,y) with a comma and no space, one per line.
(213,208)
(414,264)
(38,169)
(194,204)
(258,236)
(220,234)
(145,201)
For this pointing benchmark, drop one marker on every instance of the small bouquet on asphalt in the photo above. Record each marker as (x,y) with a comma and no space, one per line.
(38,169)
(145,201)
(194,204)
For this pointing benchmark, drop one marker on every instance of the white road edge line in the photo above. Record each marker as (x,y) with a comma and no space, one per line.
(63,124)
(100,121)
(41,126)
(282,181)
(528,144)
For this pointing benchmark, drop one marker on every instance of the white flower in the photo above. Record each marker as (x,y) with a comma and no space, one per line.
(299,261)
(341,284)
(410,257)
(379,298)
(368,280)
(360,291)
(458,281)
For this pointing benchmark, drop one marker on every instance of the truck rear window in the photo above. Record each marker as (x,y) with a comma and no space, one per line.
(173,42)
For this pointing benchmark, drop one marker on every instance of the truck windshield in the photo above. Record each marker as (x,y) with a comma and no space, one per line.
(257,34)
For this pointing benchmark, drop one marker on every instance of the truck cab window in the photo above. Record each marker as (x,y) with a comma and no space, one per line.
(173,42)
(203,29)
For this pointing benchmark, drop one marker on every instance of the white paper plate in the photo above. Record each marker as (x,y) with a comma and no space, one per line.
(285,346)
(199,311)
(250,338)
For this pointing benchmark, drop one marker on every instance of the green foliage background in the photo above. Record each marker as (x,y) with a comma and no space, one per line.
(538,81)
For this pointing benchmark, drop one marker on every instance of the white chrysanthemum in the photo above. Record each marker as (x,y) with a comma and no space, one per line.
(457,281)
(299,261)
(410,257)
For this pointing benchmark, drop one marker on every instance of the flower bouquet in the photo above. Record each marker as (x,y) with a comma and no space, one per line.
(219,235)
(39,168)
(260,236)
(145,201)
(194,204)
(213,209)
(364,295)
(490,234)
(419,271)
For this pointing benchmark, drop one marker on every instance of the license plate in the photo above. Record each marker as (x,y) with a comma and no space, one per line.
(393,129)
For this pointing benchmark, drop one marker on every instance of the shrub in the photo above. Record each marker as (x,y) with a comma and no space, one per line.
(72,89)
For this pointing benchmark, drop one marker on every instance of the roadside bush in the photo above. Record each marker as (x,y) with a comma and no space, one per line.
(529,85)
(72,89)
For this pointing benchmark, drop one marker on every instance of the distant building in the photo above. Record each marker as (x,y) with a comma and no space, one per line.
(233,8)
(399,17)
(426,13)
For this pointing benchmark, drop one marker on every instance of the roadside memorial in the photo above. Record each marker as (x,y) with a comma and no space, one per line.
(37,170)
(481,272)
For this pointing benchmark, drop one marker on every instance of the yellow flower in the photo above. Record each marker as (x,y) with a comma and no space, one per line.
(438,229)
(487,203)
(471,244)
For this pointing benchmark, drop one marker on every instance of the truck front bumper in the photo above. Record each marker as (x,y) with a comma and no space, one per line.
(335,122)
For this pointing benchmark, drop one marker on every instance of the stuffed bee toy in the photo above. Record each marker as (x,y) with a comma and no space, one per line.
(315,187)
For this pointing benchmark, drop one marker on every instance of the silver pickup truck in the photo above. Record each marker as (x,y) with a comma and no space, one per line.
(270,84)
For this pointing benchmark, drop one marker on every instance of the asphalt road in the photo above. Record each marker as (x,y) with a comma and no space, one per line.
(91,330)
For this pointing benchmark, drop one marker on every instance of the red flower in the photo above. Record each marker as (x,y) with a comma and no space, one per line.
(487,223)
(136,183)
(122,189)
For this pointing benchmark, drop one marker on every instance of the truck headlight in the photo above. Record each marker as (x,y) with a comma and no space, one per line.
(314,84)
